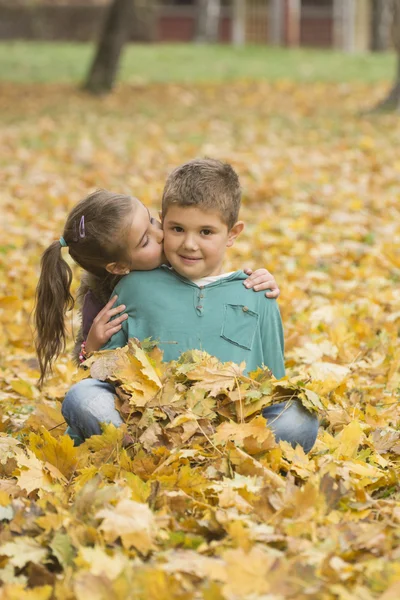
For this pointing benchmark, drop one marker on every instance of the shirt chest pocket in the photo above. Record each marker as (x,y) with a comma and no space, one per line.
(239,325)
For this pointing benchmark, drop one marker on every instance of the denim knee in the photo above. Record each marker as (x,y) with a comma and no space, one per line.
(292,423)
(89,403)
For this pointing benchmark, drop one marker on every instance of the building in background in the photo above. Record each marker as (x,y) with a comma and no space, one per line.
(255,21)
(349,25)
(343,24)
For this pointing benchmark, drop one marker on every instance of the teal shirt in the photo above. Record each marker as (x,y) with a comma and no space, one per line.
(222,318)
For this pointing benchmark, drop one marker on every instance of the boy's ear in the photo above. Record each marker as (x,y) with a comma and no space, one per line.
(234,232)
(117,268)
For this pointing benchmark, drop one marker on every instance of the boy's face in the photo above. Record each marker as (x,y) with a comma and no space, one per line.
(195,241)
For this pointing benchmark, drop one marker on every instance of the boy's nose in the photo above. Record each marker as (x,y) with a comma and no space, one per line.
(190,243)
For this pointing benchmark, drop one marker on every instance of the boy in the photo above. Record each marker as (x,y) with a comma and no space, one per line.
(194,304)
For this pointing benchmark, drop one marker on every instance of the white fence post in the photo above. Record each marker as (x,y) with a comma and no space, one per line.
(239,22)
(344,18)
(275,22)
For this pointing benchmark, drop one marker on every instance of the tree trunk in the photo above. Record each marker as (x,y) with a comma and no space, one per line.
(207,27)
(380,25)
(392,100)
(115,33)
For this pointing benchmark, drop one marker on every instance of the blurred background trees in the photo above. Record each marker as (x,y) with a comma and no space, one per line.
(347,25)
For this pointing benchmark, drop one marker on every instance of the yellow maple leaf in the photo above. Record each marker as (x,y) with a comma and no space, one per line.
(140,490)
(130,367)
(208,372)
(245,464)
(9,448)
(96,587)
(32,474)
(188,561)
(19,592)
(247,572)
(23,550)
(148,365)
(105,444)
(59,452)
(254,436)
(132,521)
(349,440)
(24,388)
(11,302)
(100,562)
(49,417)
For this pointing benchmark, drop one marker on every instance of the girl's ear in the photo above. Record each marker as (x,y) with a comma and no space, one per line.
(234,232)
(117,268)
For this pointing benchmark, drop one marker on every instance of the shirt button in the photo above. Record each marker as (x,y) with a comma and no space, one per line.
(201,296)
(245,309)
(199,307)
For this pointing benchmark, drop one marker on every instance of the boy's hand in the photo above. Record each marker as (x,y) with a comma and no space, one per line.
(260,280)
(102,328)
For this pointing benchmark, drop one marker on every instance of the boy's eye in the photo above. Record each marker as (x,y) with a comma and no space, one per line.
(206,231)
(145,241)
(177,229)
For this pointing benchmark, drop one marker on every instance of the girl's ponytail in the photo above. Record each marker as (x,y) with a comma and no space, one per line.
(53,299)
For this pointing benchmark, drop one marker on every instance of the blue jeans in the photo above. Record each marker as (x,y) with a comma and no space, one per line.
(91,402)
(292,423)
(86,405)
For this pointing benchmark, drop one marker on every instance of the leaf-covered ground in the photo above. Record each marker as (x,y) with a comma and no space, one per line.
(204,504)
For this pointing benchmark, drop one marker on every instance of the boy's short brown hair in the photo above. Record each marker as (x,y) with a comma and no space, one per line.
(205,183)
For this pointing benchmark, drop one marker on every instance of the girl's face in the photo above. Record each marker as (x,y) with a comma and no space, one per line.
(144,239)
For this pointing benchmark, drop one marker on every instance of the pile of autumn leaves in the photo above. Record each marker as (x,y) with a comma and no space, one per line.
(202,504)
(200,501)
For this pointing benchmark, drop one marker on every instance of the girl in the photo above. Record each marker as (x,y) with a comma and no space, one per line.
(108,235)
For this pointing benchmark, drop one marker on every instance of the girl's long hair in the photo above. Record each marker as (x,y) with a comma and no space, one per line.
(95,233)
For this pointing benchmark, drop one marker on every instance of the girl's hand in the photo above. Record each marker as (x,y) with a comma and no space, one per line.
(260,280)
(102,328)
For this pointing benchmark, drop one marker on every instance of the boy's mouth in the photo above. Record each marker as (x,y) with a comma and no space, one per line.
(189,260)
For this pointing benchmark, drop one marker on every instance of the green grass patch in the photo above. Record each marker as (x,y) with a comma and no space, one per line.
(36,62)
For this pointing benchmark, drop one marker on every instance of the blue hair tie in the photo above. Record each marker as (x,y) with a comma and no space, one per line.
(63,242)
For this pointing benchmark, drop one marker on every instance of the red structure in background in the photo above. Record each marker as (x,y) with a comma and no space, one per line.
(176,23)
(181,28)
(316,32)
